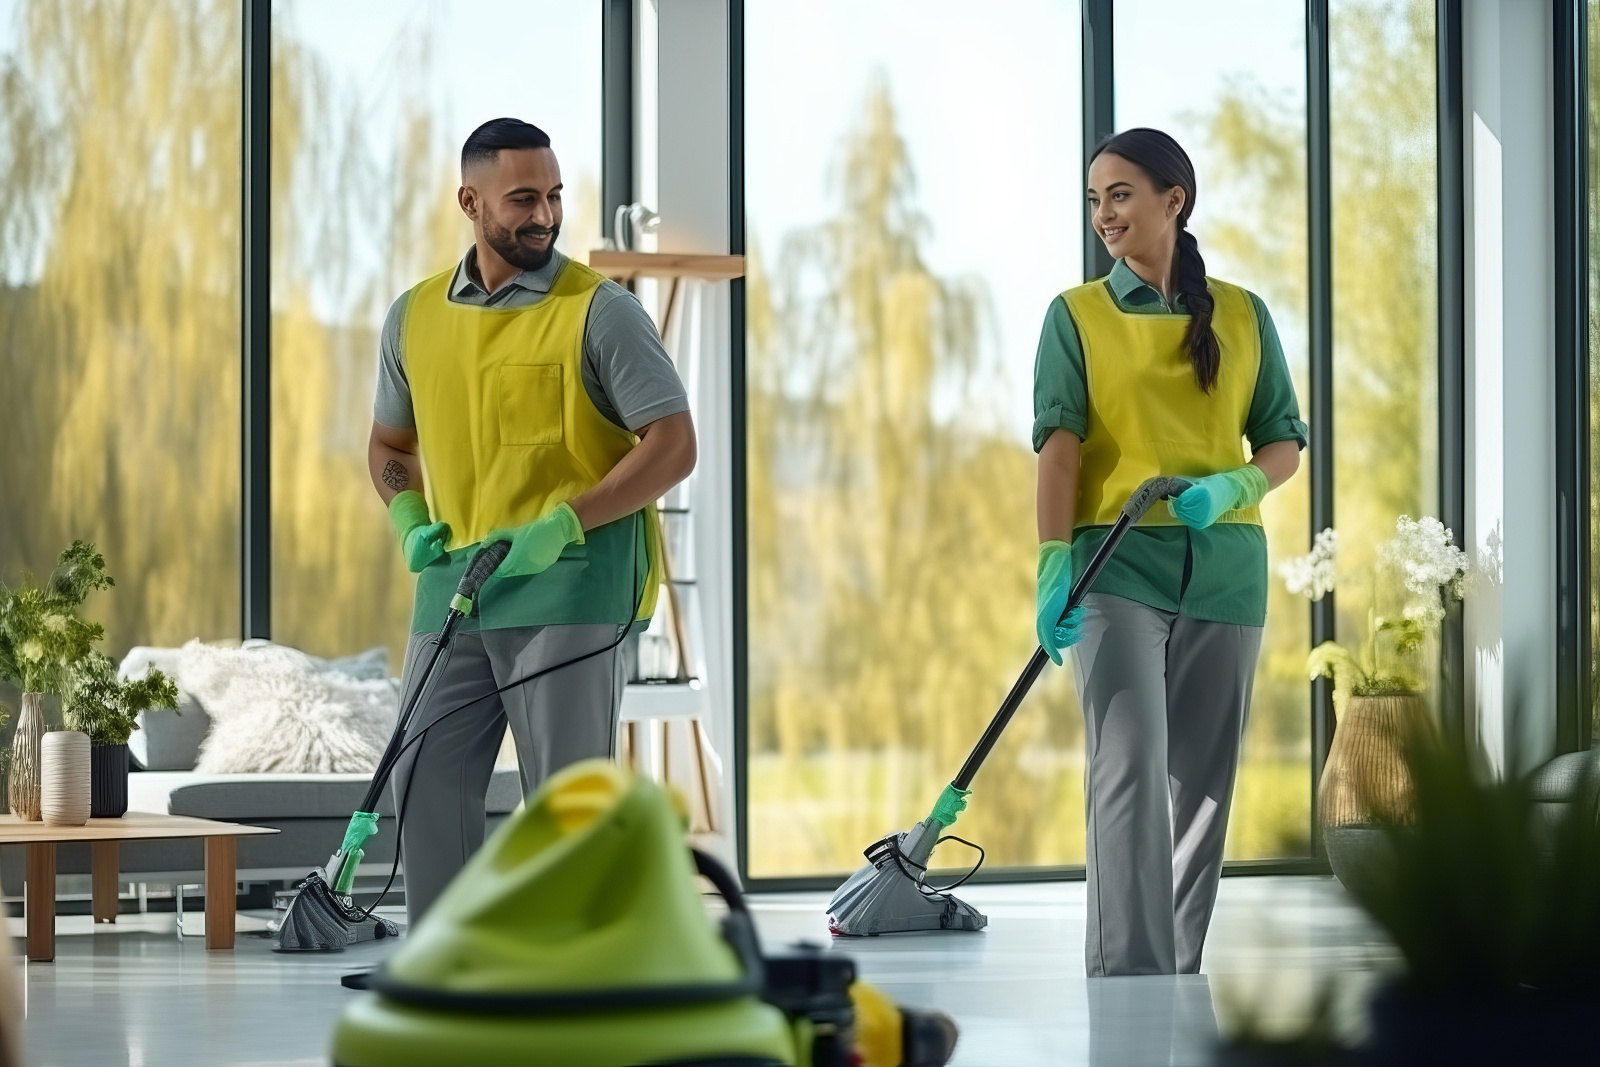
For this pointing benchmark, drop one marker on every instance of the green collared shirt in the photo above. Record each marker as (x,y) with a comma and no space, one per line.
(1218,574)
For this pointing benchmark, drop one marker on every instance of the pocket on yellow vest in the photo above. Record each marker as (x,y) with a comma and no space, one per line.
(530,404)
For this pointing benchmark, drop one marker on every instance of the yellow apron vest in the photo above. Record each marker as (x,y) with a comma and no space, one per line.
(505,429)
(1147,414)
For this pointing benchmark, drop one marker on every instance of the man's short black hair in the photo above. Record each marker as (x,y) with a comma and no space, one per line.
(485,142)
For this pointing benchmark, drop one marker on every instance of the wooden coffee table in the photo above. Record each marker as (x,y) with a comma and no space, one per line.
(104,835)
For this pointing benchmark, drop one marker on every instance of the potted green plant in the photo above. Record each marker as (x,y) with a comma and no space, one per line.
(107,709)
(1494,920)
(48,648)
(1378,683)
(42,637)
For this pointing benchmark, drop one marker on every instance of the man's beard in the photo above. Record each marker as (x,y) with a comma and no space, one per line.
(510,249)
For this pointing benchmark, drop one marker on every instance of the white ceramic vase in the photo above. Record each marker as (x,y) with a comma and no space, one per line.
(64,778)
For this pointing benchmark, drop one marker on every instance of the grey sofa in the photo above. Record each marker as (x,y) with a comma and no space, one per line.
(310,810)
(1567,784)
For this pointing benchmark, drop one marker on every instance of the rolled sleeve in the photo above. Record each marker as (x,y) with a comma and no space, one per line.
(1274,410)
(1060,385)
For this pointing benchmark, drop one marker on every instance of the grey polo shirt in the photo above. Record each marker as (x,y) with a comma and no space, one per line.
(626,370)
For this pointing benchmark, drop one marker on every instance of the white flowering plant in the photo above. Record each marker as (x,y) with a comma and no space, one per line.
(1419,570)
(1314,576)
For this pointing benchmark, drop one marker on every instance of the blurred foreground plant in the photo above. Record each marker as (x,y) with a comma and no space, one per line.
(1475,895)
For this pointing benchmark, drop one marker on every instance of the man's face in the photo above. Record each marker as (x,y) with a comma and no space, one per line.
(515,201)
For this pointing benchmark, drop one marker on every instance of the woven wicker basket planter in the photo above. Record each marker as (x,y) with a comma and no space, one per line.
(1366,774)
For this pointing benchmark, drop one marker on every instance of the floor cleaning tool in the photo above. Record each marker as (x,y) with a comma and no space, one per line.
(578,936)
(890,894)
(322,917)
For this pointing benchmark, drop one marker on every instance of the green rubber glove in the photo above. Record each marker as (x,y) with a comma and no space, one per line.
(536,546)
(1055,586)
(1208,499)
(421,541)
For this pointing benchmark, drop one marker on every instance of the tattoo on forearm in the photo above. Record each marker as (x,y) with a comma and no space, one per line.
(395,476)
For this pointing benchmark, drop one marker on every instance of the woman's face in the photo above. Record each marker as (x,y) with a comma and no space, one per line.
(1134,219)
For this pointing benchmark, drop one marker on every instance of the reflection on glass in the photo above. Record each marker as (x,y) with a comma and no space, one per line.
(119,262)
(911,217)
(371,104)
(1237,105)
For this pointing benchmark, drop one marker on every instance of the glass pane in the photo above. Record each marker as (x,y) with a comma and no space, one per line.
(371,104)
(1237,104)
(119,248)
(1385,276)
(911,217)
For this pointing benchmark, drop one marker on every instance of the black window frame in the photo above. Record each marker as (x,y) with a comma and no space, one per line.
(1574,639)
(1098,86)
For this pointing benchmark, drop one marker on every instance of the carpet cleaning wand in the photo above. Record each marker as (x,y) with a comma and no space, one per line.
(890,894)
(322,917)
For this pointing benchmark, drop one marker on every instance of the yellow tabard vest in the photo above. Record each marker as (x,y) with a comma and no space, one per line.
(506,432)
(1147,414)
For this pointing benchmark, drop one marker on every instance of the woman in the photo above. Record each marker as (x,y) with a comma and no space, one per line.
(1157,369)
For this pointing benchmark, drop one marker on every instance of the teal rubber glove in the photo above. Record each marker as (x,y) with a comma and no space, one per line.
(536,546)
(1055,586)
(1208,499)
(421,541)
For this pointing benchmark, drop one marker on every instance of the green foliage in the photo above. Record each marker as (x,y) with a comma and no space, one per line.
(43,639)
(106,708)
(46,646)
(1473,896)
(119,223)
(1353,677)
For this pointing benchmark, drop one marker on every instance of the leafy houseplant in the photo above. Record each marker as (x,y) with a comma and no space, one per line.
(107,709)
(47,647)
(1377,689)
(1492,917)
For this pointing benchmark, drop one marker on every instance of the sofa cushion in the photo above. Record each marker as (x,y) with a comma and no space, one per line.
(271,797)
(369,666)
(167,739)
(274,710)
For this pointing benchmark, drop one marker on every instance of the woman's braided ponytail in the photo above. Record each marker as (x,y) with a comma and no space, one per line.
(1168,165)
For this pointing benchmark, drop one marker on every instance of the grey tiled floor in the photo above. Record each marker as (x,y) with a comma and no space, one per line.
(132,996)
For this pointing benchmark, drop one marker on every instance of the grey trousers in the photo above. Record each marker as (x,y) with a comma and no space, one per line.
(568,715)
(1164,701)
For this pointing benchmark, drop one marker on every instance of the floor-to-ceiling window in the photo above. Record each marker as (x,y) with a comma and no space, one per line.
(914,205)
(119,304)
(372,101)
(880,635)
(1237,103)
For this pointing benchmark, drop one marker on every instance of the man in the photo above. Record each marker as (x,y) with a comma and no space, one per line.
(540,403)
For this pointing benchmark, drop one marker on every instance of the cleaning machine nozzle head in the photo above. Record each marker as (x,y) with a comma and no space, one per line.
(320,920)
(889,896)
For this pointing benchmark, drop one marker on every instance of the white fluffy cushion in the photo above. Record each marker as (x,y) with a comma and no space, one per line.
(274,709)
